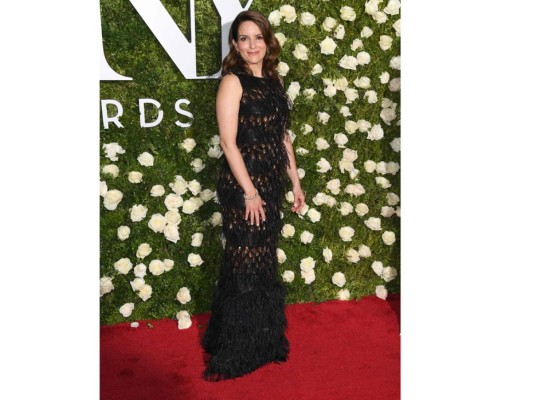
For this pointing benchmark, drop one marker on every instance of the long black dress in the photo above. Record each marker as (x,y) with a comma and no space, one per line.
(247,325)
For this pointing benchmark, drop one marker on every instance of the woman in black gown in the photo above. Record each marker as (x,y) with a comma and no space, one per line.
(247,325)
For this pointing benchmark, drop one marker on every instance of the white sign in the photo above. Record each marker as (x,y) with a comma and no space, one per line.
(181,51)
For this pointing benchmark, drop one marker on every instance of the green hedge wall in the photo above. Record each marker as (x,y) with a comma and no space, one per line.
(132,50)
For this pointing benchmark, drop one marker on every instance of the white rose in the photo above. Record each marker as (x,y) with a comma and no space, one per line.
(288,13)
(348,62)
(363,125)
(215,152)
(126,309)
(184,320)
(380,17)
(173,201)
(347,13)
(377,267)
(331,201)
(338,279)
(307,19)
(394,85)
(339,32)
(356,44)
(306,237)
(171,233)
(288,276)
(194,187)
(294,90)
(340,139)
(156,267)
(321,144)
(385,42)
(281,38)
(135,177)
(389,273)
(168,263)
(314,215)
(111,169)
(352,256)
(334,186)
(140,270)
(143,250)
(103,188)
(145,292)
(343,294)
(197,165)
(274,18)
(366,32)
(106,285)
(157,223)
(361,209)
(328,46)
(387,211)
(172,217)
(317,69)
(137,283)
(188,144)
(183,295)
(197,239)
(397,27)
(383,182)
(180,185)
(283,68)
(216,219)
(112,198)
(384,77)
(281,256)
(392,167)
(373,223)
(300,52)
(351,94)
(376,133)
(112,149)
(329,24)
(381,167)
(346,208)
(157,191)
(323,165)
(123,265)
(345,111)
(395,144)
(307,264)
(393,8)
(392,199)
(346,233)
(370,166)
(354,189)
(388,115)
(146,159)
(395,63)
(189,206)
(327,254)
(363,82)
(388,237)
(309,276)
(323,117)
(381,292)
(123,232)
(206,195)
(398,211)
(138,212)
(303,211)
(363,57)
(349,154)
(371,96)
(364,251)
(350,127)
(194,259)
(330,91)
(287,231)
(309,93)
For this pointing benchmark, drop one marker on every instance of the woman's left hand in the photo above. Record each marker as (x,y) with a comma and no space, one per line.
(299,199)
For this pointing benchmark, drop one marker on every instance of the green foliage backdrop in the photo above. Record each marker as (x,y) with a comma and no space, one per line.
(132,50)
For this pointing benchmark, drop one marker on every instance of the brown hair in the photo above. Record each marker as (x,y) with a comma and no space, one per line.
(234,63)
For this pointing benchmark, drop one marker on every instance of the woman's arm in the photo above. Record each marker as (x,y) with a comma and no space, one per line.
(227,110)
(292,172)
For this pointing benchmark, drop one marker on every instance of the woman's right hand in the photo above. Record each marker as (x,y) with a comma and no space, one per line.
(254,210)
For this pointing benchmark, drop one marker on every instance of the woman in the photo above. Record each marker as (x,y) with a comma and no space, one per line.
(247,325)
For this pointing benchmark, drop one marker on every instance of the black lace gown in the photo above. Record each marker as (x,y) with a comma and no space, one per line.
(247,325)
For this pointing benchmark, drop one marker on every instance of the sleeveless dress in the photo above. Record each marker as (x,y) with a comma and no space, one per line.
(247,325)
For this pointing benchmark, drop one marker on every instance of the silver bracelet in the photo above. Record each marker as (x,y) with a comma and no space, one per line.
(251,197)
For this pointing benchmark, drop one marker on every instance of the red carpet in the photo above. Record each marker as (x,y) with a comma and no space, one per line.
(339,350)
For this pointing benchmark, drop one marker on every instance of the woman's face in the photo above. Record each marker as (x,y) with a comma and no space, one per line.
(250,43)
